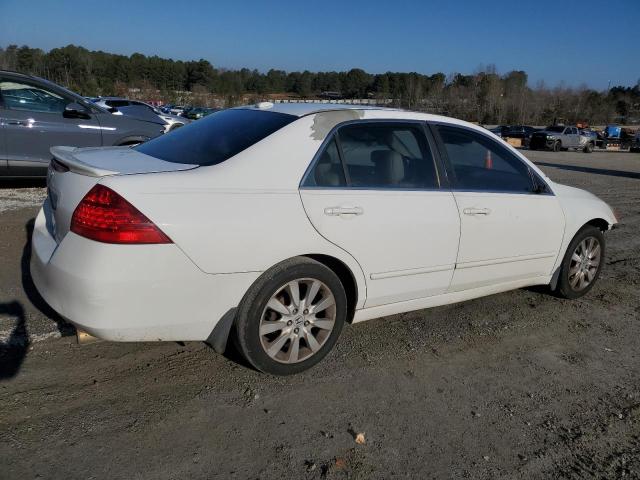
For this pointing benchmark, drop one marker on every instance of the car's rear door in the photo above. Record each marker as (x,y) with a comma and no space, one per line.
(32,115)
(374,190)
(511,223)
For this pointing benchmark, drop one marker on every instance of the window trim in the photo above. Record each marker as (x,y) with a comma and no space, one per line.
(334,134)
(536,179)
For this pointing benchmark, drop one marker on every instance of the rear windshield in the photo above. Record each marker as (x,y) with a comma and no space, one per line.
(216,137)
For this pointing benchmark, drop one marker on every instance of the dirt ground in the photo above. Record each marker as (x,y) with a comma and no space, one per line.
(516,385)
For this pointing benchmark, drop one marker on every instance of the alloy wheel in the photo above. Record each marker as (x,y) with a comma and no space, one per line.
(297,320)
(584,264)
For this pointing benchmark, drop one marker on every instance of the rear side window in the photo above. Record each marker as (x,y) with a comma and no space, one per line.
(328,171)
(387,156)
(480,163)
(215,138)
(377,155)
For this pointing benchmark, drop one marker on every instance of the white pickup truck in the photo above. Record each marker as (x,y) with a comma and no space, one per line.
(559,137)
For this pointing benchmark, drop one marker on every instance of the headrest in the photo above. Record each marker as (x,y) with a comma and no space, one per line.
(389,166)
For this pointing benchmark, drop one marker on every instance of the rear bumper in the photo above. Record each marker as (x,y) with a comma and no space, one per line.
(130,292)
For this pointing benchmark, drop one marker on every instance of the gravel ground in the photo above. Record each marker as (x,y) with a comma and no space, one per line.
(18,194)
(516,385)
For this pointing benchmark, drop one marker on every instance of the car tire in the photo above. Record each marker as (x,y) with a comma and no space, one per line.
(276,328)
(582,263)
(588,148)
(557,146)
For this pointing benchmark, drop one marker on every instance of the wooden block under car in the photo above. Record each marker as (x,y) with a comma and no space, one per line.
(514,142)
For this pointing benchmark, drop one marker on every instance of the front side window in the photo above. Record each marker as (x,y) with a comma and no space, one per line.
(480,163)
(32,98)
(378,155)
(216,137)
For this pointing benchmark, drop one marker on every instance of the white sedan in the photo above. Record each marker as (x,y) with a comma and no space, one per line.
(279,223)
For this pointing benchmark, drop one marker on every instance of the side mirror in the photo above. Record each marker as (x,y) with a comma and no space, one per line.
(75,110)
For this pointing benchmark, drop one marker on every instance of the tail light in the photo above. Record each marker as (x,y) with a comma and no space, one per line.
(104,216)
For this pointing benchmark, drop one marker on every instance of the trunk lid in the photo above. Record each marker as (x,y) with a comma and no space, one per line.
(103,161)
(74,171)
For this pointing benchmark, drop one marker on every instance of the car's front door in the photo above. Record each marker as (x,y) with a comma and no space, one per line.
(374,190)
(571,137)
(34,121)
(511,223)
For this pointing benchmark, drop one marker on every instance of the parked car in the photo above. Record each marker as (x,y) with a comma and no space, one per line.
(522,132)
(142,111)
(198,112)
(36,114)
(281,223)
(559,137)
(500,130)
(176,110)
(617,137)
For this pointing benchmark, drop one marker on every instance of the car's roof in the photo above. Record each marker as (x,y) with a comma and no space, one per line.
(300,109)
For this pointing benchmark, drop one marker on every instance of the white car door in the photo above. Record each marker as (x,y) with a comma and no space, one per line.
(374,191)
(511,223)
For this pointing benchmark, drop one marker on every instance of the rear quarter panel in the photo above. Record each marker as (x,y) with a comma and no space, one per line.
(244,215)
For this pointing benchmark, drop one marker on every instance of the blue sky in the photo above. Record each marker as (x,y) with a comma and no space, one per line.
(555,41)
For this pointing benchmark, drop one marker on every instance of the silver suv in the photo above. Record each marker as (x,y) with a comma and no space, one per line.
(36,114)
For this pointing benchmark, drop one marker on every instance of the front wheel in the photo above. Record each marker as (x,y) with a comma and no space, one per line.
(588,148)
(557,146)
(291,317)
(582,263)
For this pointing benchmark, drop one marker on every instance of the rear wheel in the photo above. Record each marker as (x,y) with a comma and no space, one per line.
(291,317)
(582,263)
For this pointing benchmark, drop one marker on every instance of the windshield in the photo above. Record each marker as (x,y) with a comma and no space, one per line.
(217,137)
(555,128)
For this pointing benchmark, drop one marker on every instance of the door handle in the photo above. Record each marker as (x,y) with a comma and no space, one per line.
(337,211)
(17,122)
(476,211)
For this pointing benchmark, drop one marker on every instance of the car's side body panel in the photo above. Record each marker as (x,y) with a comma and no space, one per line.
(405,241)
(31,134)
(507,243)
(446,298)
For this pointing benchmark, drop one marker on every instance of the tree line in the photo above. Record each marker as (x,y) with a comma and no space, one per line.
(484,96)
